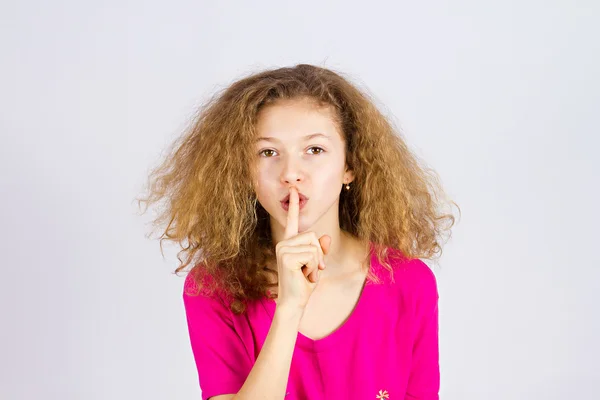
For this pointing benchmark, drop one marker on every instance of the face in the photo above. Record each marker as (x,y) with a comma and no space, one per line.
(299,144)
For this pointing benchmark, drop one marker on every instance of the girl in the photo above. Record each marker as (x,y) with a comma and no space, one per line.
(304,215)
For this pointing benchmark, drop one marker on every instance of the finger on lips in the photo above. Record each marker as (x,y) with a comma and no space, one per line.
(291,230)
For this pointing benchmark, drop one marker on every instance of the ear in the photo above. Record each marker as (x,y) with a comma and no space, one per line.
(348,176)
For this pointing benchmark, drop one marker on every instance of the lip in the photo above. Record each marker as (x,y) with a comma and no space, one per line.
(300,197)
(301,204)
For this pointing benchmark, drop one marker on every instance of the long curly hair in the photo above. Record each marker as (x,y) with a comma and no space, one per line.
(210,208)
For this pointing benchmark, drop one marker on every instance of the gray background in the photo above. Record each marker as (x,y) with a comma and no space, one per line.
(501,98)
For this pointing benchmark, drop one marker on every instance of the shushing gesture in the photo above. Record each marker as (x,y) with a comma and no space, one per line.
(299,259)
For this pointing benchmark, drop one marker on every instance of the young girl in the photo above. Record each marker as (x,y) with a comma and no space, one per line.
(304,215)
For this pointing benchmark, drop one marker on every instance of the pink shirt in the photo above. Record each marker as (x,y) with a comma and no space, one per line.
(386,350)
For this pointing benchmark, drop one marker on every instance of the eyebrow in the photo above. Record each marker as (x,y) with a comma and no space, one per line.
(307,137)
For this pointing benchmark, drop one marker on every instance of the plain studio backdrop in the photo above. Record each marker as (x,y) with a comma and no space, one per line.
(500,98)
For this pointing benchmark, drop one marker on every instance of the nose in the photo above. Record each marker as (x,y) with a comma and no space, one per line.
(291,172)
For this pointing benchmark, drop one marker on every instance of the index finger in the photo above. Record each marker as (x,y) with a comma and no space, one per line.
(291,227)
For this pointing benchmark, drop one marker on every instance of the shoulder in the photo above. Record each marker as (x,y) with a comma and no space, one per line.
(413,276)
(417,273)
(200,298)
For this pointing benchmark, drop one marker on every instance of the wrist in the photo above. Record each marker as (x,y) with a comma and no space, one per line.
(289,313)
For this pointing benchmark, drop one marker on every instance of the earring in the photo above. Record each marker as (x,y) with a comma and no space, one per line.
(347,186)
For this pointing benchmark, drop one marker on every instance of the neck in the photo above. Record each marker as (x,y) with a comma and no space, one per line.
(344,251)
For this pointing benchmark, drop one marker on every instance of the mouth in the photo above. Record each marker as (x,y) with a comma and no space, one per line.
(301,197)
(286,203)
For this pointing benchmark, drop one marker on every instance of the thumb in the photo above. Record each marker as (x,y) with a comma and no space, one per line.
(325,242)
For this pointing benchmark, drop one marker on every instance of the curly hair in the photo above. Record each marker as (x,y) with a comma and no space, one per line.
(211,209)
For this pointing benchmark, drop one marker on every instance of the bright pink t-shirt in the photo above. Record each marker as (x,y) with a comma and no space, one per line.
(387,349)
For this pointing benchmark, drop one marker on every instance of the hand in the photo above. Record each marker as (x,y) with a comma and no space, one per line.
(299,259)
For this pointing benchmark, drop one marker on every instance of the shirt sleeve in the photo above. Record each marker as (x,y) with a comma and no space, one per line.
(221,358)
(424,379)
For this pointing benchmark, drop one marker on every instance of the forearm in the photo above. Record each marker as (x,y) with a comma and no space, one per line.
(269,375)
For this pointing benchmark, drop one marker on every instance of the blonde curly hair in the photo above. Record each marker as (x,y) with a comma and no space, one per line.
(211,209)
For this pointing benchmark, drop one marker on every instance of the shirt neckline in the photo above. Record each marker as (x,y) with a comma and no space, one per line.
(346,328)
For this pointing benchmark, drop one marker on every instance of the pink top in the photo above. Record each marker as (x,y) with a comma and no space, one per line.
(387,349)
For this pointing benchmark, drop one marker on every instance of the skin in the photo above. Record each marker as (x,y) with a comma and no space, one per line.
(314,166)
(288,164)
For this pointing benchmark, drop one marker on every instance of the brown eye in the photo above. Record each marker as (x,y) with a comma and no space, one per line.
(265,151)
(321,150)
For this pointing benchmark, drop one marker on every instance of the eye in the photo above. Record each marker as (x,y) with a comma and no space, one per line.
(273,151)
(265,151)
(321,150)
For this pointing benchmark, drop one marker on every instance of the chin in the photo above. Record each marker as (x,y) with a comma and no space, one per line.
(302,225)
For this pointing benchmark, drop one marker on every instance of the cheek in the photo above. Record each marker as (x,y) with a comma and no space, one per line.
(330,178)
(263,185)
(329,184)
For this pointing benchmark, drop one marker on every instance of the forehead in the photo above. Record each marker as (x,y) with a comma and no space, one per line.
(297,119)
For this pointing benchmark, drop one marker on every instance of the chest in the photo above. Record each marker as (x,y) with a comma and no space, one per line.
(329,307)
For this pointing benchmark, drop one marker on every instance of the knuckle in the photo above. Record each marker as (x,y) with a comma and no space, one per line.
(283,249)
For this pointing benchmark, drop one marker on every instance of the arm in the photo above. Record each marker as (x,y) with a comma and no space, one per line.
(225,369)
(424,380)
(269,376)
